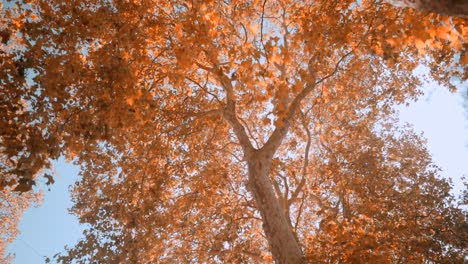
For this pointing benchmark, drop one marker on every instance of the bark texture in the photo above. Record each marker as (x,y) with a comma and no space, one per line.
(284,247)
(458,8)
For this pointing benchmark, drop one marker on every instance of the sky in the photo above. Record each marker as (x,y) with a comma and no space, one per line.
(47,229)
(439,114)
(443,120)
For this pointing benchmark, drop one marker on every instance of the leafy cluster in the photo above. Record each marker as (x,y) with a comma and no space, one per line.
(162,104)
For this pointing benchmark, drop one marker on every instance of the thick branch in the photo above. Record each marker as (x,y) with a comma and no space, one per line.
(229,111)
(281,130)
(457,8)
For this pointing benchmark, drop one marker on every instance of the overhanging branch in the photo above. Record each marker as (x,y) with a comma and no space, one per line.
(281,130)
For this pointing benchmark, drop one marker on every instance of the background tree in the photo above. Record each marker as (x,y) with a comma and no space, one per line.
(442,7)
(19,155)
(233,131)
(12,207)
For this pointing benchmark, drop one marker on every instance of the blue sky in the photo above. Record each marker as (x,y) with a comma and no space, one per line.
(47,229)
(439,115)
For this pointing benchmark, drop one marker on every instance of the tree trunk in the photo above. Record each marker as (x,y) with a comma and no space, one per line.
(284,247)
(457,8)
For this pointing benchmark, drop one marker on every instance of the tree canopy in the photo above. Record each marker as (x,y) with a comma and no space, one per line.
(232,131)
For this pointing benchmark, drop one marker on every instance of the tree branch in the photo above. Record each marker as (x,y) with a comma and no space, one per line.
(296,192)
(281,130)
(229,111)
(244,123)
(299,213)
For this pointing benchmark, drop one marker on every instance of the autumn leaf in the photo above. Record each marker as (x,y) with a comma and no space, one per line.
(50,179)
(24,185)
(232,131)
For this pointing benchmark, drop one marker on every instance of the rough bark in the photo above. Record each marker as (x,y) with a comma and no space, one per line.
(458,8)
(281,239)
(284,247)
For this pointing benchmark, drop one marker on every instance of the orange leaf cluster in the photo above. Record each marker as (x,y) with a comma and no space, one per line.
(232,131)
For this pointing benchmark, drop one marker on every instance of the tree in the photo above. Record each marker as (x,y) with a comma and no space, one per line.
(12,207)
(233,131)
(442,7)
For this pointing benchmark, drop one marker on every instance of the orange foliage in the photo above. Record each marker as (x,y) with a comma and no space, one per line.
(175,110)
(12,207)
